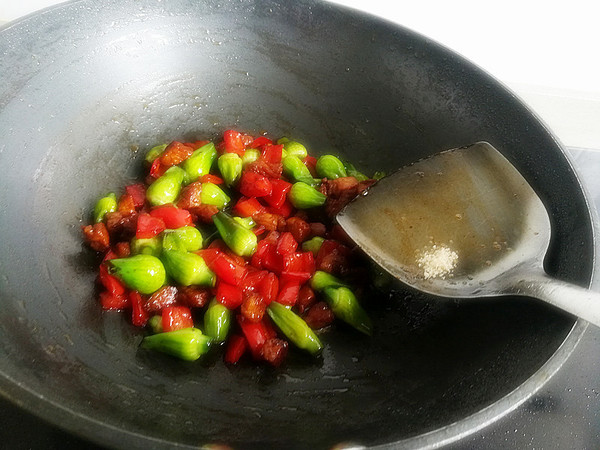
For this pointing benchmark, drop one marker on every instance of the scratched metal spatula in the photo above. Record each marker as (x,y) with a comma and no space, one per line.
(463,223)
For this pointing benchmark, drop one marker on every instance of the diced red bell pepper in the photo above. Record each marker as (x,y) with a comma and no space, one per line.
(311,163)
(157,169)
(253,184)
(138,194)
(269,288)
(197,144)
(299,262)
(233,142)
(113,302)
(172,216)
(295,277)
(148,226)
(256,334)
(260,141)
(286,243)
(210,178)
(259,230)
(247,207)
(224,267)
(271,153)
(111,283)
(139,316)
(288,294)
(272,260)
(285,210)
(175,153)
(109,255)
(253,278)
(176,318)
(278,195)
(236,347)
(229,295)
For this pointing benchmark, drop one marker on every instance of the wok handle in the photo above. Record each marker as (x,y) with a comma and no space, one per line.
(576,300)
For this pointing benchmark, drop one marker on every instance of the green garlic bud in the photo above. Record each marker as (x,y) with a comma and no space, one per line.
(303,196)
(328,166)
(323,280)
(187,344)
(217,321)
(313,245)
(200,162)
(247,222)
(150,246)
(294,328)
(155,323)
(250,155)
(282,140)
(379,175)
(187,268)
(185,239)
(295,170)
(143,273)
(230,166)
(166,188)
(212,194)
(293,148)
(154,153)
(238,238)
(104,206)
(352,172)
(345,306)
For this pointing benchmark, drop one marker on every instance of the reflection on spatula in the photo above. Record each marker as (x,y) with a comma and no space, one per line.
(463,223)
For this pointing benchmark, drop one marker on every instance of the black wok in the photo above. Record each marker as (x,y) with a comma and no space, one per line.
(87,86)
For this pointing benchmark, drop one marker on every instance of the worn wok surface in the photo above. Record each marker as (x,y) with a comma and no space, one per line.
(87,87)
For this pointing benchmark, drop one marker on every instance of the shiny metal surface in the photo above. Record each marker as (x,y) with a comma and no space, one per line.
(88,86)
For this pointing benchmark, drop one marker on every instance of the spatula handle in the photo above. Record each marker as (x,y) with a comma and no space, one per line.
(576,300)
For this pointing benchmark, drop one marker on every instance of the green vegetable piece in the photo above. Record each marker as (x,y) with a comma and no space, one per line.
(104,206)
(186,239)
(230,166)
(293,148)
(250,155)
(323,280)
(282,140)
(294,328)
(238,238)
(187,268)
(143,273)
(188,344)
(154,153)
(166,188)
(328,166)
(313,245)
(345,306)
(303,196)
(213,195)
(352,172)
(200,162)
(155,323)
(379,175)
(295,170)
(217,321)
(247,222)
(150,246)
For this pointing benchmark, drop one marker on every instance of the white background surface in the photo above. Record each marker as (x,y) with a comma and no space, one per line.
(546,52)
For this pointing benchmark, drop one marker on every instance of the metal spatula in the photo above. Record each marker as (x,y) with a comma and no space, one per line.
(463,223)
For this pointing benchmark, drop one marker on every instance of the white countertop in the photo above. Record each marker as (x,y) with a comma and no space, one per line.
(546,52)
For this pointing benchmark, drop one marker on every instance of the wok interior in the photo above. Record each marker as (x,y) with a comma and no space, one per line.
(91,88)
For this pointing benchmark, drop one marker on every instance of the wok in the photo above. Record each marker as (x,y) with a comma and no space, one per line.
(88,86)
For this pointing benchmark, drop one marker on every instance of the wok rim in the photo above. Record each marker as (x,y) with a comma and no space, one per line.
(104,434)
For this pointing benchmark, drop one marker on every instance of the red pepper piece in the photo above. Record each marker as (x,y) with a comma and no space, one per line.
(176,318)
(269,288)
(157,169)
(256,334)
(233,142)
(236,347)
(288,294)
(295,277)
(272,260)
(229,295)
(247,207)
(109,255)
(139,316)
(148,226)
(299,262)
(111,283)
(166,296)
(226,268)
(271,153)
(286,244)
(210,178)
(197,144)
(278,195)
(253,278)
(172,216)
(175,153)
(285,211)
(260,141)
(113,302)
(253,184)
(311,163)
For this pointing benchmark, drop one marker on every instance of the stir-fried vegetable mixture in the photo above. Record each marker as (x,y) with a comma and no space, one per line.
(232,244)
